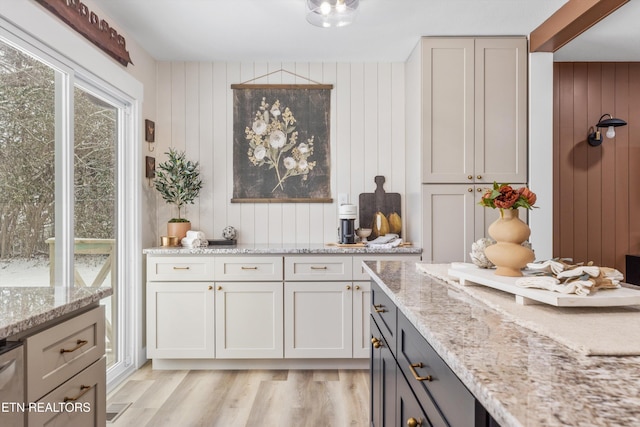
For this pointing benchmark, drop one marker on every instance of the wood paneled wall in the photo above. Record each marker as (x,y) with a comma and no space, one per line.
(596,189)
(367,139)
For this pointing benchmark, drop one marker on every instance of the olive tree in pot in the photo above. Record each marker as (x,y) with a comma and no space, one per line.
(178,182)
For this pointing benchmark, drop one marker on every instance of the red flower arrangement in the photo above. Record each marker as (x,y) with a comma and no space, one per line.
(503,196)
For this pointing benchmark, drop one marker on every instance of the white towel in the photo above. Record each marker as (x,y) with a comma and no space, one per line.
(190,242)
(195,234)
(393,244)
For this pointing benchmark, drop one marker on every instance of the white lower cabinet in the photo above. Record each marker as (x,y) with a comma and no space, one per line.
(361,312)
(249,320)
(180,320)
(257,307)
(318,319)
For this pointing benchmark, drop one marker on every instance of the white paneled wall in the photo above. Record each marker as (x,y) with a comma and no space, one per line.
(195,113)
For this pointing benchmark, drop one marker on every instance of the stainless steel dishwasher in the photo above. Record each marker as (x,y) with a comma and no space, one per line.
(11,384)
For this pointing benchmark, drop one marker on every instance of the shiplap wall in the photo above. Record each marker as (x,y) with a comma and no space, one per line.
(596,205)
(194,113)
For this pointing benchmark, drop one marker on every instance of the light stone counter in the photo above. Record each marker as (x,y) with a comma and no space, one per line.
(24,308)
(260,249)
(522,378)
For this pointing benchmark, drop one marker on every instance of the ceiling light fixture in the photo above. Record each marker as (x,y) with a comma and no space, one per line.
(595,138)
(331,13)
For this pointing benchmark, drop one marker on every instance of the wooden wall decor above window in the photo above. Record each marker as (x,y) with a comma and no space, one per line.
(98,31)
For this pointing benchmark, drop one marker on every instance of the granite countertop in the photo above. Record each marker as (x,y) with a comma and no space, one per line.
(24,308)
(522,378)
(262,249)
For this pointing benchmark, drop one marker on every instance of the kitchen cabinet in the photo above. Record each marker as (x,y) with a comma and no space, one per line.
(180,320)
(318,319)
(66,363)
(221,310)
(410,383)
(474,109)
(249,320)
(383,379)
(453,220)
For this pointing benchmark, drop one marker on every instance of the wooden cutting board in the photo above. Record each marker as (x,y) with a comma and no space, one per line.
(378,201)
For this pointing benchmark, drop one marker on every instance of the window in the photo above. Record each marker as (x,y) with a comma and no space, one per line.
(69,184)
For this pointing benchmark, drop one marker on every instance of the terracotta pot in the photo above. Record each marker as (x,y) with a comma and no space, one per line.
(508,254)
(178,229)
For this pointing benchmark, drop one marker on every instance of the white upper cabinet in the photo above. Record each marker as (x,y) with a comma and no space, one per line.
(474,110)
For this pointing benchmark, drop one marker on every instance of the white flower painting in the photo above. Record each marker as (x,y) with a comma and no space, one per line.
(281,145)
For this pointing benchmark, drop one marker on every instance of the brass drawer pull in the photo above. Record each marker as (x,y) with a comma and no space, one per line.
(412,367)
(249,268)
(180,268)
(412,422)
(376,342)
(83,390)
(378,308)
(357,287)
(324,267)
(79,343)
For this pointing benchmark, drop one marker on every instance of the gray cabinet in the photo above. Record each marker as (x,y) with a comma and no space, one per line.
(410,383)
(474,110)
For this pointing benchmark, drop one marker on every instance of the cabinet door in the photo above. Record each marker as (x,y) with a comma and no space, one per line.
(249,320)
(448,227)
(361,314)
(180,320)
(408,409)
(500,110)
(383,380)
(447,110)
(318,319)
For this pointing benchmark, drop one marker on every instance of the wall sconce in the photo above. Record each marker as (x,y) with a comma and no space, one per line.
(595,138)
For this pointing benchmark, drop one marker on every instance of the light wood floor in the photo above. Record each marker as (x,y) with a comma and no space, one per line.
(332,398)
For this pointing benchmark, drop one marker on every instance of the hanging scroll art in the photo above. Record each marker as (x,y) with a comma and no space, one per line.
(281,143)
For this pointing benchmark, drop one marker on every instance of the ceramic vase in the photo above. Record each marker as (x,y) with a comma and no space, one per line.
(508,254)
(178,229)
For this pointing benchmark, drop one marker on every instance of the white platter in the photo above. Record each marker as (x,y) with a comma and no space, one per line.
(469,274)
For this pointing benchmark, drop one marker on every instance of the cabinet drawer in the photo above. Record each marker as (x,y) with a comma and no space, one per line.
(384,312)
(190,268)
(360,274)
(440,384)
(248,268)
(58,353)
(83,399)
(318,268)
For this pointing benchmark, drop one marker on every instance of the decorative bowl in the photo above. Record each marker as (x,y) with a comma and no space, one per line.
(363,233)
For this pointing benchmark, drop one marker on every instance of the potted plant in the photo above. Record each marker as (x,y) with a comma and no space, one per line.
(178,182)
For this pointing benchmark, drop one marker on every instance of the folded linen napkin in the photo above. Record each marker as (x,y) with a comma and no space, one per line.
(195,234)
(191,242)
(393,244)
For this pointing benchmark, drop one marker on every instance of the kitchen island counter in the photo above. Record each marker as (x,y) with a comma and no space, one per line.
(521,377)
(26,308)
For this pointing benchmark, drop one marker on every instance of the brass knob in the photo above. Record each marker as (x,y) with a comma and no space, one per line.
(479,190)
(470,177)
(357,287)
(209,287)
(376,342)
(348,287)
(470,189)
(479,177)
(219,288)
(412,422)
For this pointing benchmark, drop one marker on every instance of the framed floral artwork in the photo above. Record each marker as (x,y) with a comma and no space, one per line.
(281,143)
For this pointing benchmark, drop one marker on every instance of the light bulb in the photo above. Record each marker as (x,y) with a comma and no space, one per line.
(340,6)
(611,132)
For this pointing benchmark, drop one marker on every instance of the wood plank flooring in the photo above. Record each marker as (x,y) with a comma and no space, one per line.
(331,398)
